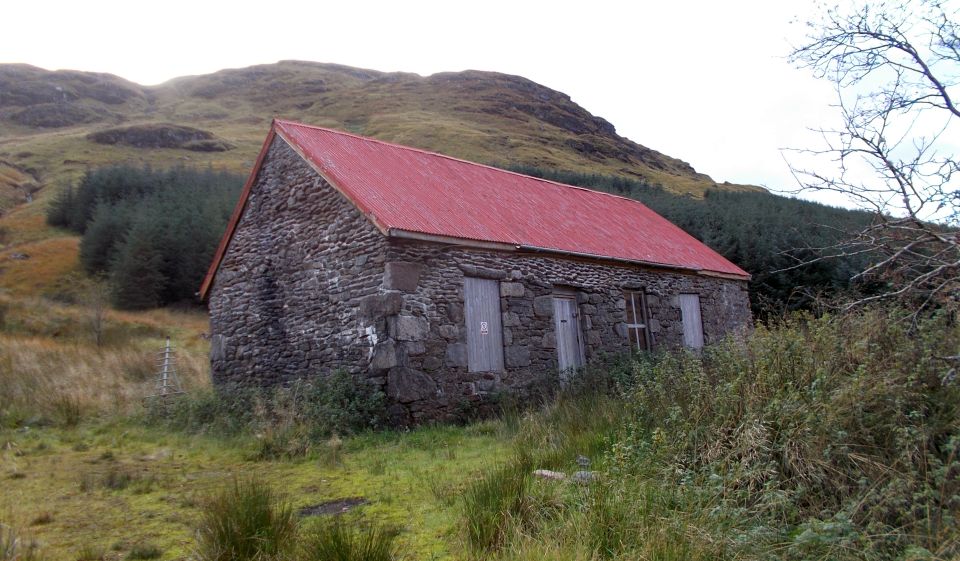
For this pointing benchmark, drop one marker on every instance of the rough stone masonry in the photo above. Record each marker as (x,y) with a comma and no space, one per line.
(309,285)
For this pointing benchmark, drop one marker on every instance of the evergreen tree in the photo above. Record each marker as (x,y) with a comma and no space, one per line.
(153,232)
(137,270)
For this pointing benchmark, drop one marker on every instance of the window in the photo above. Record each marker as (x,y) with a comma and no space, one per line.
(638,331)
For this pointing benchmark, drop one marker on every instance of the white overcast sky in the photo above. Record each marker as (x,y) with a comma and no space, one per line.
(704,81)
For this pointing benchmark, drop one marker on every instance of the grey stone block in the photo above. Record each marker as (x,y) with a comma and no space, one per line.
(517,356)
(549,340)
(456,355)
(455,312)
(406,385)
(408,328)
(381,305)
(398,415)
(543,306)
(384,355)
(482,272)
(449,332)
(486,386)
(511,289)
(402,276)
(217,344)
(593,339)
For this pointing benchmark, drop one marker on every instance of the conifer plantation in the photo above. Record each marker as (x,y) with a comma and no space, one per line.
(152,233)
(767,235)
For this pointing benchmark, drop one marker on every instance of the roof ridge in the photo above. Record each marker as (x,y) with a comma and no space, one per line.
(461,160)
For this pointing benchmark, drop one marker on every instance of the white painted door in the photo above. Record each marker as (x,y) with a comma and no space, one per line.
(567,325)
(484,331)
(692,322)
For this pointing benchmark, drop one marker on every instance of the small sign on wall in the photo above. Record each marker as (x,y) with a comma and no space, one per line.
(484,328)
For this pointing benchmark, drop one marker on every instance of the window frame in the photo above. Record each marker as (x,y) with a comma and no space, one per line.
(630,298)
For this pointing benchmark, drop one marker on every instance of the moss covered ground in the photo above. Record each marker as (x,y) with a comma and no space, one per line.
(114,486)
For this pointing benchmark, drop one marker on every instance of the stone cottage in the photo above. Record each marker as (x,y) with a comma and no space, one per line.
(442,281)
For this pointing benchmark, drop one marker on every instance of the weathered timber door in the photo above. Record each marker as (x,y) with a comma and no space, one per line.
(692,322)
(567,325)
(484,332)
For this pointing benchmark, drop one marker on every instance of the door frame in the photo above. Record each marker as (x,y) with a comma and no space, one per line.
(568,295)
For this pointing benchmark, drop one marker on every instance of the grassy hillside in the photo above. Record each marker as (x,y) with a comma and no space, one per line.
(483,116)
(55,125)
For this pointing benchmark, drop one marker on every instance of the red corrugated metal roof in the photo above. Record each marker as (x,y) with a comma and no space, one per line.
(419,191)
(411,190)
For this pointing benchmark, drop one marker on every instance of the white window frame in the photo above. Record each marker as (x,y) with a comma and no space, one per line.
(641,320)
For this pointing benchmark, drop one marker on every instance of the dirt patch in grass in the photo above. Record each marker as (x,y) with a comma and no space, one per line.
(337,506)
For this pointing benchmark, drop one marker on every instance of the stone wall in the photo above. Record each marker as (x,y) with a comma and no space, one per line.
(432,356)
(283,303)
(309,285)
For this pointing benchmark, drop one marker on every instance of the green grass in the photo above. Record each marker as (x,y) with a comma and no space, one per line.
(390,470)
(145,551)
(815,438)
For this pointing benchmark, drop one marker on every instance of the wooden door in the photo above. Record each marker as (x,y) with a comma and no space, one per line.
(567,326)
(484,328)
(692,322)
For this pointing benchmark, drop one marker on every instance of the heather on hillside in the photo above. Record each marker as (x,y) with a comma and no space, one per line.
(152,232)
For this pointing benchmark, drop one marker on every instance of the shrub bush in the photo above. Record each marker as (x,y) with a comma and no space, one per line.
(288,421)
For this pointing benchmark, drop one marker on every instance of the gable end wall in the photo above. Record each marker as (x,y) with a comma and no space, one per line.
(284,301)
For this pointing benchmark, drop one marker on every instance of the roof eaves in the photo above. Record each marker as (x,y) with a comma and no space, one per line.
(451,240)
(609,258)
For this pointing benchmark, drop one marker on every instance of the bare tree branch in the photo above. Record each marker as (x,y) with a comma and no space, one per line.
(896,70)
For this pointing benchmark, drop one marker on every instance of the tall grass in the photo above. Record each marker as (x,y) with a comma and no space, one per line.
(580,422)
(58,381)
(16,547)
(51,370)
(843,429)
(335,539)
(287,422)
(815,438)
(246,521)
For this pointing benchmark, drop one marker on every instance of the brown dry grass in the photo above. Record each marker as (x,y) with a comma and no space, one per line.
(47,263)
(51,368)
